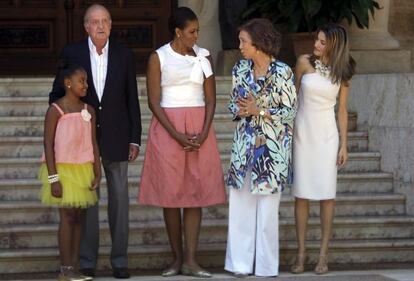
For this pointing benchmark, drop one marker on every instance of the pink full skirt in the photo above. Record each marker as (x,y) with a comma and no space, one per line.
(173,178)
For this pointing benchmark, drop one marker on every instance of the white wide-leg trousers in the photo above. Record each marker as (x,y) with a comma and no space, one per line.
(253,234)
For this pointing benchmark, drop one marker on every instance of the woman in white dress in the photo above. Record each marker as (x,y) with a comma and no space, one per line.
(317,149)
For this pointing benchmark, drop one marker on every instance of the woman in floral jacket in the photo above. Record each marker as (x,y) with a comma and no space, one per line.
(263,101)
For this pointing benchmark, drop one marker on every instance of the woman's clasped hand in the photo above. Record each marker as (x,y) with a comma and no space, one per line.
(247,106)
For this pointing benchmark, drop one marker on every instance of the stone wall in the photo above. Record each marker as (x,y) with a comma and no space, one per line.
(385,103)
(207,13)
(401,24)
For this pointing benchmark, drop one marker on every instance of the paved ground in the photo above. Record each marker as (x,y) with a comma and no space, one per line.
(346,275)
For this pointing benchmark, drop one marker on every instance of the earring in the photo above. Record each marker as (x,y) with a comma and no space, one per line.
(68,86)
(178,35)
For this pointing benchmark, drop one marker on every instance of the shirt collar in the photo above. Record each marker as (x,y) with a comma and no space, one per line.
(92,47)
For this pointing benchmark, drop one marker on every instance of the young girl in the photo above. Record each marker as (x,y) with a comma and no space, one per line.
(71,168)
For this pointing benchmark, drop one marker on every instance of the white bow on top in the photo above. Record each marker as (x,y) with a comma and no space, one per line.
(201,65)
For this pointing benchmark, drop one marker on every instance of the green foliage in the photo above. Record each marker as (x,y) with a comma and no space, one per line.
(307,15)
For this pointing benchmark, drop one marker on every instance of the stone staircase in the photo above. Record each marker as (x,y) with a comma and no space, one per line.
(371,225)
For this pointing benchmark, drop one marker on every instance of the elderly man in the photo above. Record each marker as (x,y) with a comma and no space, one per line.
(113,93)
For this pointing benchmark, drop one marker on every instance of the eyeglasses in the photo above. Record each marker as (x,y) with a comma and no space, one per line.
(102,22)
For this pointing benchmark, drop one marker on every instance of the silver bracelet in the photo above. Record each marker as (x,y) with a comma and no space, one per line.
(53,178)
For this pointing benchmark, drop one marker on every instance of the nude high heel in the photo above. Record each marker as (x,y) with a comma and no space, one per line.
(299,266)
(322,265)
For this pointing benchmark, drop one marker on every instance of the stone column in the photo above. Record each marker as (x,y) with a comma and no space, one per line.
(374,49)
(207,13)
(377,36)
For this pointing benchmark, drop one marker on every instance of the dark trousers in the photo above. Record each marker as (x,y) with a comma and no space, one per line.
(116,174)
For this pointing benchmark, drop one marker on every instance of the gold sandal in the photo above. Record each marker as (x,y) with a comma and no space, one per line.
(299,266)
(322,265)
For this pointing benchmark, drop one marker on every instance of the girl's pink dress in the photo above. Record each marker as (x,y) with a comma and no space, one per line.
(73,151)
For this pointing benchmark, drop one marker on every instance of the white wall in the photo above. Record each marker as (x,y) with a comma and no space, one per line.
(207,13)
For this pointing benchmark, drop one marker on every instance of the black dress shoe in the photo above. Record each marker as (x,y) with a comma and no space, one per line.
(90,272)
(120,273)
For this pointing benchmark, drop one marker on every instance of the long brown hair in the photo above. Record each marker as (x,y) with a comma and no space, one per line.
(336,53)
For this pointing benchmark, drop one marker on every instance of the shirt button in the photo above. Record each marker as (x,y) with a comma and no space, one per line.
(100,108)
(98,125)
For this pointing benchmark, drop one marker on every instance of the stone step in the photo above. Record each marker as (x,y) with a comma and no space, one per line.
(29,236)
(23,106)
(212,255)
(41,86)
(21,87)
(23,212)
(33,146)
(17,168)
(32,126)
(348,183)
(358,141)
(37,106)
(26,114)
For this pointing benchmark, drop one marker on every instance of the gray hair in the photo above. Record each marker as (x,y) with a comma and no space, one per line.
(92,8)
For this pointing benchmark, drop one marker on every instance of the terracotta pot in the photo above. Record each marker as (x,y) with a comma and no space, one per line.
(352,120)
(302,43)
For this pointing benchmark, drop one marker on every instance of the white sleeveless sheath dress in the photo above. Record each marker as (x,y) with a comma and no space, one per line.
(315,139)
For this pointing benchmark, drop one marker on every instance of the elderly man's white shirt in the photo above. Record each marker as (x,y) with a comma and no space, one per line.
(99,67)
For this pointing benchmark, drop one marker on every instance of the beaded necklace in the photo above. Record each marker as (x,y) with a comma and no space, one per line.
(322,69)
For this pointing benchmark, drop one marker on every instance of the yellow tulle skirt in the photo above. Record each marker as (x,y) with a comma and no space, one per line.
(76,180)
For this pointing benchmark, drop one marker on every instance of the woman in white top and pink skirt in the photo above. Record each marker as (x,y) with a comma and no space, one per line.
(182,167)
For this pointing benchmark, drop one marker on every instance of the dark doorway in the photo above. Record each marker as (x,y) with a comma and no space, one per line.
(33,32)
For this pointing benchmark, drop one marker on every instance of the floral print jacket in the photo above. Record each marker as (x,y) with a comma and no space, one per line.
(263,145)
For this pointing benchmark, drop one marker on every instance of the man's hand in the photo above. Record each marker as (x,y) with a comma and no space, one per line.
(133,152)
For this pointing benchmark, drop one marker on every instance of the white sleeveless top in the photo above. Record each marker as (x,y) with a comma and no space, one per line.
(182,77)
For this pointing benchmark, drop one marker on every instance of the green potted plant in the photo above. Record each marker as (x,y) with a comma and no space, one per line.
(301,17)
(307,15)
